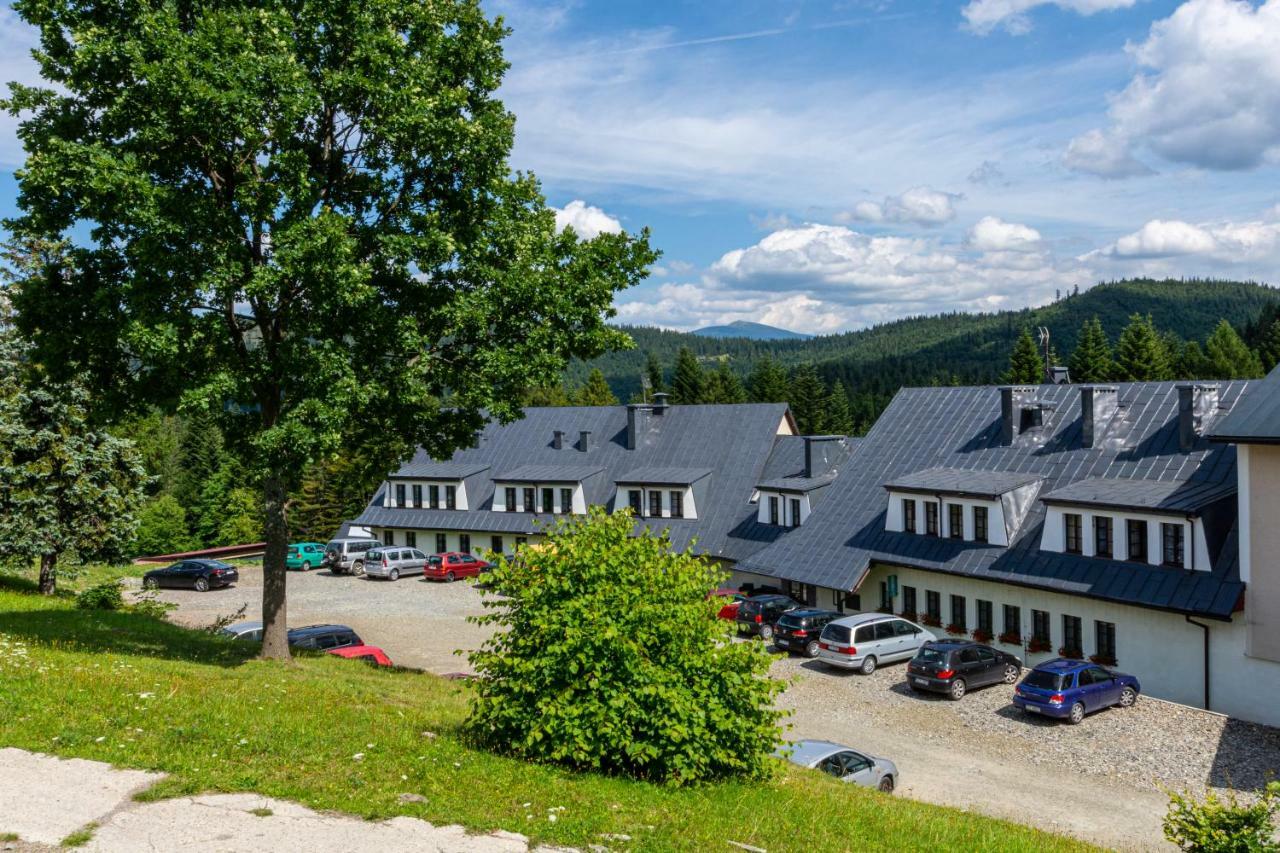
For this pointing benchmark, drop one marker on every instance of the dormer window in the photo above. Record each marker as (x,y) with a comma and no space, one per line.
(979,524)
(1137,533)
(959,503)
(908,514)
(400,494)
(433,496)
(930,518)
(955,521)
(635,498)
(450,497)
(1072,531)
(773,509)
(664,492)
(1102,537)
(417,496)
(1172,538)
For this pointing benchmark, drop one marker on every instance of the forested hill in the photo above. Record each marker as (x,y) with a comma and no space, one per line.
(952,348)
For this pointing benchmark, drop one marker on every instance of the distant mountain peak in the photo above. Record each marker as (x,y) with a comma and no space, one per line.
(754,331)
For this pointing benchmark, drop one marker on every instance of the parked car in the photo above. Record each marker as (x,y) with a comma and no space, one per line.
(1069,689)
(847,765)
(304,556)
(393,563)
(371,655)
(729,600)
(323,637)
(346,556)
(863,641)
(798,630)
(200,575)
(759,613)
(452,565)
(954,667)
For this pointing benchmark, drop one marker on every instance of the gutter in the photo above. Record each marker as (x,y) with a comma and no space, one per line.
(1205,628)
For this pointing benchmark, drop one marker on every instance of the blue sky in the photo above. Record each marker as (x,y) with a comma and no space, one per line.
(828,165)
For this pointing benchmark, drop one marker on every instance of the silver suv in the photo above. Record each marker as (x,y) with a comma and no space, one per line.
(866,640)
(391,562)
(346,556)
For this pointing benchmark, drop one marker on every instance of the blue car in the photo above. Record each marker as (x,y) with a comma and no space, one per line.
(1069,689)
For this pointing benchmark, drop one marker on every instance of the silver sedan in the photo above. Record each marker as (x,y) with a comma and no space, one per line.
(842,762)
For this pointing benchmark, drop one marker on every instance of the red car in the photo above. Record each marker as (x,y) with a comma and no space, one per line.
(730,599)
(452,565)
(369,654)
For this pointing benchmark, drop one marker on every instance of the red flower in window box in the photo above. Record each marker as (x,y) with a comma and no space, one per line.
(958,630)
(909,615)
(930,620)
(1073,654)
(1011,638)
(981,636)
(1038,645)
(1103,660)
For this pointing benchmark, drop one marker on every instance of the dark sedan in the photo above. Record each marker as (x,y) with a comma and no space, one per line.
(954,667)
(200,575)
(798,630)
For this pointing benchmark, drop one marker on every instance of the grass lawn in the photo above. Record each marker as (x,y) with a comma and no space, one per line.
(139,692)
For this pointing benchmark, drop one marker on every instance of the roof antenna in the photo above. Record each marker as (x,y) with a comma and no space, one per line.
(1043,333)
(645,387)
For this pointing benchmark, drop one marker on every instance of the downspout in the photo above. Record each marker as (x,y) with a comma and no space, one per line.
(1205,628)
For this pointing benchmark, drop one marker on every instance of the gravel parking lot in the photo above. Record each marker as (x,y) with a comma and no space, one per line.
(1100,780)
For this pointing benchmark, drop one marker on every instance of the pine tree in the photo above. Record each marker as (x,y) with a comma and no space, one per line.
(547,395)
(1026,367)
(723,385)
(1269,346)
(687,382)
(839,419)
(200,452)
(595,391)
(767,382)
(654,373)
(1191,362)
(1091,359)
(1141,354)
(808,399)
(317,512)
(1228,356)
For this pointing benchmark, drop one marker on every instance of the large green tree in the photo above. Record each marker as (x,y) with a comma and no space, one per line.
(688,383)
(595,391)
(808,398)
(1229,357)
(1026,365)
(1141,354)
(299,217)
(1091,359)
(724,386)
(767,382)
(1269,346)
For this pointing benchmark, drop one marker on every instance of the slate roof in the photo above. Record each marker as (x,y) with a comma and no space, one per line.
(548,473)
(1173,496)
(1255,418)
(959,428)
(430,470)
(736,443)
(796,484)
(959,481)
(664,476)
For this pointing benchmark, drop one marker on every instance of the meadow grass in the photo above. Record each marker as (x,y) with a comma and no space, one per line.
(133,690)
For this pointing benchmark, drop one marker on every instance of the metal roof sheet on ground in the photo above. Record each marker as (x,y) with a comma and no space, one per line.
(1175,496)
(959,428)
(961,481)
(664,476)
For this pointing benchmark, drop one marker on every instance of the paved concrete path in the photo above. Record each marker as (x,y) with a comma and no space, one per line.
(44,799)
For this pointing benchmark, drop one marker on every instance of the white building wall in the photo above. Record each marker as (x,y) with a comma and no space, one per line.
(784,507)
(1195,550)
(460,493)
(895,522)
(480,540)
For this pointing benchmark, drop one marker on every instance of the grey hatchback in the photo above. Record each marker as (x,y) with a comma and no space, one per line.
(392,562)
(847,765)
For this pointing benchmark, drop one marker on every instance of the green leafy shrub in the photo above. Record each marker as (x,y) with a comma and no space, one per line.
(609,657)
(1223,825)
(162,528)
(103,596)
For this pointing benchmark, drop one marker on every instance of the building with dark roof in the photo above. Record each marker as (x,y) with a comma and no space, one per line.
(1097,521)
(691,470)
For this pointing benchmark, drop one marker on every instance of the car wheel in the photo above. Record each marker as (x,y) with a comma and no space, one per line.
(394,575)
(1127,697)
(1010,674)
(811,649)
(450,577)
(957,690)
(1077,713)
(306,565)
(357,568)
(886,784)
(868,665)
(150,583)
(202,585)
(766,632)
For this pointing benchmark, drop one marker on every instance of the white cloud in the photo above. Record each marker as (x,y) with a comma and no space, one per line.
(987,173)
(586,221)
(918,205)
(1208,94)
(1225,242)
(983,16)
(991,234)
(1101,154)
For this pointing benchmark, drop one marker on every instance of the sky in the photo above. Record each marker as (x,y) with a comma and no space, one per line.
(825,165)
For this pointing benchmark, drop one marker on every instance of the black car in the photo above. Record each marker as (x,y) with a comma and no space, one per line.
(200,575)
(758,614)
(324,637)
(798,630)
(954,666)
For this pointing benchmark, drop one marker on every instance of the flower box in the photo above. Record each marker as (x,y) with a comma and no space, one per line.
(958,630)
(931,621)
(981,636)
(909,615)
(1035,645)
(1011,638)
(1073,654)
(1103,660)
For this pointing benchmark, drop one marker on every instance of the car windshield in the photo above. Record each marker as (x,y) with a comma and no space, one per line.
(334,546)
(928,655)
(793,621)
(836,633)
(752,606)
(1043,680)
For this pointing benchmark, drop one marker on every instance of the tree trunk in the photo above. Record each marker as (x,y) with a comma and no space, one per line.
(48,574)
(275,636)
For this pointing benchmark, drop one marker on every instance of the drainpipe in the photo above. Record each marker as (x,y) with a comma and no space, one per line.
(1205,628)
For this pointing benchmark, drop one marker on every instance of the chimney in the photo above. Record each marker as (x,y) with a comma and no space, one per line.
(660,403)
(1014,399)
(557,439)
(819,454)
(584,440)
(638,415)
(1197,405)
(1098,404)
